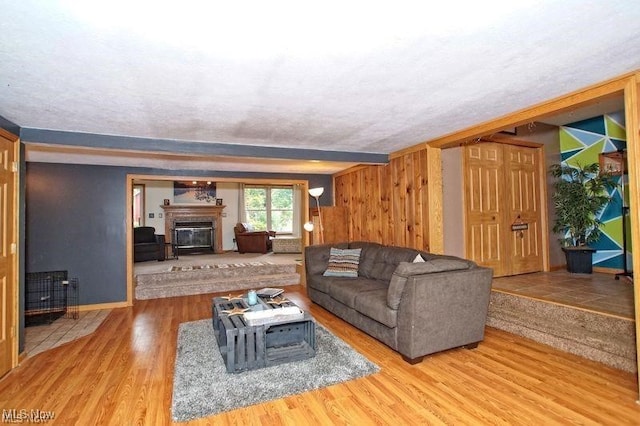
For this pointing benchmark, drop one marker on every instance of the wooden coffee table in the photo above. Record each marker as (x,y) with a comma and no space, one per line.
(244,347)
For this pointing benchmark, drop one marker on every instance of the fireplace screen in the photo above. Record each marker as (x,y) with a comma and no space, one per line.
(194,235)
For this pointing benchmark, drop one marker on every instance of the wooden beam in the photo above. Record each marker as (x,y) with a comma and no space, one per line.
(632,119)
(435,202)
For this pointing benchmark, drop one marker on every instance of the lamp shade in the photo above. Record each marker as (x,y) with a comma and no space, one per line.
(308,226)
(316,192)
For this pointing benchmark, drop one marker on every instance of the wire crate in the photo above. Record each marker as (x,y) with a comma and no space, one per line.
(49,296)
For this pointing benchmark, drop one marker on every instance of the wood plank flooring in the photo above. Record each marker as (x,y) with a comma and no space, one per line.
(122,375)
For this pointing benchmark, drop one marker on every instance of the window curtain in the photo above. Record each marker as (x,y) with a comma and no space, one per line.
(242,214)
(297,202)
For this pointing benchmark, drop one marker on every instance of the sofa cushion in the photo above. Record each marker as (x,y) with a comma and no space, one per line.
(317,257)
(367,256)
(374,305)
(343,263)
(396,287)
(323,284)
(387,260)
(406,269)
(346,290)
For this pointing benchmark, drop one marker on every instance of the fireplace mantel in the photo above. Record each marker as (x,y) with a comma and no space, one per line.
(175,212)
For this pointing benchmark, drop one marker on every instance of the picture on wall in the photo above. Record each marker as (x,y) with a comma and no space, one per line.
(194,192)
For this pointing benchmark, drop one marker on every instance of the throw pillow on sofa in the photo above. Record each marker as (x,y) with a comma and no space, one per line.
(343,263)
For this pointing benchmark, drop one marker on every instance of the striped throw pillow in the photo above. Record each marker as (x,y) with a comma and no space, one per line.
(343,263)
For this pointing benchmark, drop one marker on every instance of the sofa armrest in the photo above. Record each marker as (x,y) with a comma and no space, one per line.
(443,310)
(316,258)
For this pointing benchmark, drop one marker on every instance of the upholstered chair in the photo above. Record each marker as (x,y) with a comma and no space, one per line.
(251,241)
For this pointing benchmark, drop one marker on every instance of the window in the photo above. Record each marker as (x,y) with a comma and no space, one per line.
(269,208)
(138,205)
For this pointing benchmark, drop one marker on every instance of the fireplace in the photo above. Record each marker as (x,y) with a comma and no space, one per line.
(194,227)
(193,235)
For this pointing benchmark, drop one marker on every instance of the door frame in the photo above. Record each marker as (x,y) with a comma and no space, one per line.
(14,285)
(304,212)
(542,194)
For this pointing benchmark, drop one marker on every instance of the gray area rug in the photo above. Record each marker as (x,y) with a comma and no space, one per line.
(202,387)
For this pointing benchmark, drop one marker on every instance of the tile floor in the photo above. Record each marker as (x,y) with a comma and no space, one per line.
(596,292)
(39,338)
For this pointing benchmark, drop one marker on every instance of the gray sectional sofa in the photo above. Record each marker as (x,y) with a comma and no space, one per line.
(415,308)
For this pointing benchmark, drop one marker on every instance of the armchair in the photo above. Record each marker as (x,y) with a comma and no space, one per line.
(250,241)
(147,245)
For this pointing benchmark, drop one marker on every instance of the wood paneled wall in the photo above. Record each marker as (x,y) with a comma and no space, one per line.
(388,204)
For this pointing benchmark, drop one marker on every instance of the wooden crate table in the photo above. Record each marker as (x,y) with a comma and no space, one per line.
(244,347)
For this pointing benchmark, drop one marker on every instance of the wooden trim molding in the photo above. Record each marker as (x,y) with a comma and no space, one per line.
(632,119)
(100,306)
(435,196)
(8,135)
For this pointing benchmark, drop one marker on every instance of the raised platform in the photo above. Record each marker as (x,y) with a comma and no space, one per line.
(215,279)
(599,337)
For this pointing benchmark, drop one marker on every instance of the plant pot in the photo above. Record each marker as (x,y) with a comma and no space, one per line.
(579,259)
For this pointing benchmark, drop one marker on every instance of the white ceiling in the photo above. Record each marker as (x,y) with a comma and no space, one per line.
(364,77)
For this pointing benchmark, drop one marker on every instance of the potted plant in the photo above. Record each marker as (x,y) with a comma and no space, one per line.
(579,197)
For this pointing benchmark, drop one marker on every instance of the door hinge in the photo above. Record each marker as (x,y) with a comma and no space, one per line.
(13,248)
(14,166)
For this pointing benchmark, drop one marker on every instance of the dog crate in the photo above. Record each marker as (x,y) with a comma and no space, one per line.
(49,296)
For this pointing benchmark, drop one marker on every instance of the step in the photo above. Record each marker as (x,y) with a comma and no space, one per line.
(599,337)
(231,284)
(170,278)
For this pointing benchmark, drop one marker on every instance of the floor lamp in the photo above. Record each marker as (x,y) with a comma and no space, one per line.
(316,193)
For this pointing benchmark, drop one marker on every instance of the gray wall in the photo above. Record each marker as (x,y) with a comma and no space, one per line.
(76,220)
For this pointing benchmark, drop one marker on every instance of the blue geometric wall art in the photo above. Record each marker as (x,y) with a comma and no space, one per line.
(580,144)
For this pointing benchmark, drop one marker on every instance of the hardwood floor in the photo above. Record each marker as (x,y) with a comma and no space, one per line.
(122,375)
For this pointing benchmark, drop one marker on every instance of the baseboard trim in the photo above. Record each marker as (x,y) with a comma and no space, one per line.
(611,271)
(599,269)
(557,268)
(100,306)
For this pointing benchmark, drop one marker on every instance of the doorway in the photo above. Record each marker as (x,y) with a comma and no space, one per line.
(503,207)
(133,179)
(138,205)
